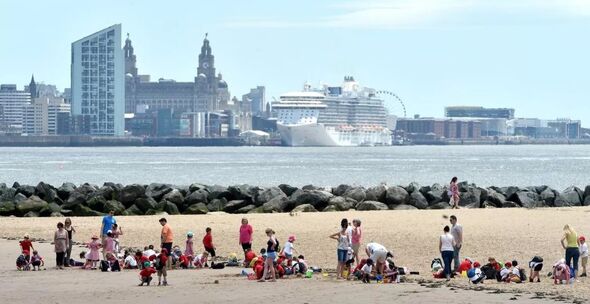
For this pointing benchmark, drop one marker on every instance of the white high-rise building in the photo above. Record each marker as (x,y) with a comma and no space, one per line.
(40,117)
(98,81)
(12,103)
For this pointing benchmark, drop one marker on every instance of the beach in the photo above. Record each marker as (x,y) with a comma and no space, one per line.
(412,236)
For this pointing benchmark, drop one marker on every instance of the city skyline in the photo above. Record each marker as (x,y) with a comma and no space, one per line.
(529,56)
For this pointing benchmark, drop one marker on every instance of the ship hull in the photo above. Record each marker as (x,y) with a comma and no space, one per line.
(318,135)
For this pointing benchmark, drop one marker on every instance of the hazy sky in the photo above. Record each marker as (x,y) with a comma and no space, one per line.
(532,55)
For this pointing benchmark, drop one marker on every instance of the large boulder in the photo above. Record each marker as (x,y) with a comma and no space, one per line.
(435,195)
(317,198)
(404,207)
(8,194)
(413,187)
(418,200)
(115,206)
(277,204)
(371,205)
(510,204)
(81,210)
(243,192)
(357,193)
(246,209)
(216,191)
(341,189)
(97,203)
(33,203)
(287,189)
(526,199)
(304,208)
(26,190)
(508,191)
(217,204)
(495,199)
(548,196)
(64,191)
(233,206)
(50,209)
(196,186)
(342,203)
(470,197)
(130,193)
(199,208)
(268,194)
(107,192)
(75,198)
(87,189)
(571,196)
(376,193)
(19,198)
(440,205)
(174,197)
(586,194)
(157,190)
(133,210)
(197,196)
(7,208)
(46,192)
(171,208)
(396,195)
(145,203)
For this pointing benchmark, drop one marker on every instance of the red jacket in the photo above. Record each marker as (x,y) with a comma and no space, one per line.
(208,241)
(147,272)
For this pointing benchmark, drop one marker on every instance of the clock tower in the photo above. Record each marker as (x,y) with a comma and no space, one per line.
(206,60)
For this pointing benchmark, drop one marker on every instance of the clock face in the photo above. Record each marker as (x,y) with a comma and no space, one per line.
(205,65)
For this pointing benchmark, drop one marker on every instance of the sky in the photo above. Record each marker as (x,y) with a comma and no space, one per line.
(531,55)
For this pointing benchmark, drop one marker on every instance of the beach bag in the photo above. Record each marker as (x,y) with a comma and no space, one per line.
(217,265)
(522,275)
(104,266)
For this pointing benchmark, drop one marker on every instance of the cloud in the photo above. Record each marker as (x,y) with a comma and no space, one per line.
(400,14)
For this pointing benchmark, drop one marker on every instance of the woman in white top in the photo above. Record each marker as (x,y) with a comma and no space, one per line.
(344,243)
(445,246)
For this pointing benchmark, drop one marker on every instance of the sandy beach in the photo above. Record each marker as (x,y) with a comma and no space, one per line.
(412,236)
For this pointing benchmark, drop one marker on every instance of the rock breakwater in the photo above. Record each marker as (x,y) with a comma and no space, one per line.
(135,199)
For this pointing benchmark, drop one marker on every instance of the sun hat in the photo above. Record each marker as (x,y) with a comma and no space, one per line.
(508,264)
(292,238)
(189,234)
(94,237)
(26,236)
(582,238)
(476,264)
(146,264)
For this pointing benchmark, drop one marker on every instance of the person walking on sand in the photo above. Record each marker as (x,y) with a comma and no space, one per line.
(344,243)
(245,238)
(446,246)
(166,238)
(70,230)
(60,240)
(570,243)
(457,233)
(271,254)
(107,224)
(453,193)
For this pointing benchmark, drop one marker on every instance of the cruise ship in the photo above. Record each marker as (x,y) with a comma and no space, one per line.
(346,115)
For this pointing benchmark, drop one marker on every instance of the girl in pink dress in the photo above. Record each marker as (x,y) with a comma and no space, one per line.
(189,252)
(94,255)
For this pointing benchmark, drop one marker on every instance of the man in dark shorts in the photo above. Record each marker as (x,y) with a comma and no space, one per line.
(167,239)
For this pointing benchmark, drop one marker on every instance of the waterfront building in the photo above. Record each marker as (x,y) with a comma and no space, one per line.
(479,112)
(436,128)
(566,128)
(40,117)
(255,102)
(12,104)
(98,82)
(207,92)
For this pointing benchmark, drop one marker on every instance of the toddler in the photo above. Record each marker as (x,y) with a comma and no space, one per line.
(189,251)
(289,248)
(366,271)
(145,275)
(475,274)
(200,261)
(22,262)
(37,261)
(93,256)
(161,261)
(583,254)
(116,231)
(109,243)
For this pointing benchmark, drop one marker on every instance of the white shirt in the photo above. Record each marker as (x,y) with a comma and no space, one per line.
(516,271)
(455,231)
(130,260)
(446,242)
(148,253)
(288,248)
(367,268)
(477,275)
(504,273)
(584,250)
(376,247)
(349,232)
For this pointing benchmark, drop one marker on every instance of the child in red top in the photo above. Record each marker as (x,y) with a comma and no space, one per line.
(145,275)
(208,242)
(162,259)
(26,244)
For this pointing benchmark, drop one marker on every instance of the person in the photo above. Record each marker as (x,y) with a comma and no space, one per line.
(208,242)
(149,252)
(561,273)
(60,240)
(26,244)
(167,238)
(535,265)
(246,232)
(107,224)
(145,275)
(357,236)
(505,272)
(117,231)
(189,251)
(37,261)
(583,254)
(200,261)
(570,243)
(465,266)
(366,271)
(516,274)
(453,193)
(342,249)
(23,261)
(71,230)
(129,261)
(111,263)
(457,232)
(475,274)
(379,254)
(288,249)
(93,255)
(161,265)
(445,246)
(299,265)
(109,243)
(271,254)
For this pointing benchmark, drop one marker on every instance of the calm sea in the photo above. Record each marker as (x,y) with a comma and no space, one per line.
(557,166)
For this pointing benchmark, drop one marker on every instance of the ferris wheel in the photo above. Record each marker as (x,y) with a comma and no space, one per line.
(392,102)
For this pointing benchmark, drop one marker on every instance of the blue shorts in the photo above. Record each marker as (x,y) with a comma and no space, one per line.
(271,255)
(342,255)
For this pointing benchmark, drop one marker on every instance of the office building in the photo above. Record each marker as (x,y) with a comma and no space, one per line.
(98,82)
(436,128)
(12,105)
(479,112)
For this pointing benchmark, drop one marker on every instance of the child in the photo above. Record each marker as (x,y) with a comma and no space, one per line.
(141,259)
(208,242)
(475,274)
(583,254)
(93,255)
(145,275)
(22,262)
(505,273)
(249,255)
(109,243)
(289,248)
(37,260)
(366,271)
(189,251)
(348,263)
(536,265)
(116,231)
(161,261)
(517,275)
(200,261)
(26,244)
(87,263)
(129,262)
(561,273)
(149,252)
(112,262)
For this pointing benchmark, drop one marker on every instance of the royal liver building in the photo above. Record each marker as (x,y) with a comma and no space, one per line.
(207,93)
